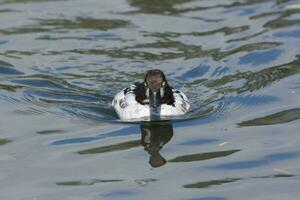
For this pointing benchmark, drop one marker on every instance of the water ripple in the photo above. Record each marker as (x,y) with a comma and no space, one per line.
(61,62)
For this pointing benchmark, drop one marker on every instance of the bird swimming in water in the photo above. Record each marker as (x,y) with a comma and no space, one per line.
(153,98)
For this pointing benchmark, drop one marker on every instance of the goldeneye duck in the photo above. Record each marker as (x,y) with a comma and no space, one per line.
(152,98)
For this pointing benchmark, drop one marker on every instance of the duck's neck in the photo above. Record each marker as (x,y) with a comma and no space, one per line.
(140,94)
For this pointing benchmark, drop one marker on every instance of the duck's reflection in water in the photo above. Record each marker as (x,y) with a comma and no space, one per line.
(153,137)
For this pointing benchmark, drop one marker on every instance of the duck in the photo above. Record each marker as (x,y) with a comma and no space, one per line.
(151,99)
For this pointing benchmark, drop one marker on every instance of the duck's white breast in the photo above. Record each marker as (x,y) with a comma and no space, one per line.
(128,108)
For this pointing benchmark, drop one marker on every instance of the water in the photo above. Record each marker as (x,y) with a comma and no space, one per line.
(61,62)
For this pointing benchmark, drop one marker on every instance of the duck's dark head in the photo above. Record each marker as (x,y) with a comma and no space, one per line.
(157,88)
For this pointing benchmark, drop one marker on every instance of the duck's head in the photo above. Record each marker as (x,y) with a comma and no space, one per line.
(155,83)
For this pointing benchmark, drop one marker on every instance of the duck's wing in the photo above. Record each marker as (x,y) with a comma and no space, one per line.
(118,100)
(126,105)
(181,101)
(124,97)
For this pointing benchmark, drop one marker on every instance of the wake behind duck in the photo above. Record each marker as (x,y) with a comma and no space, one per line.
(152,99)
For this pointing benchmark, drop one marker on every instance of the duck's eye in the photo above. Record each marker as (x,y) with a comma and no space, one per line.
(163,83)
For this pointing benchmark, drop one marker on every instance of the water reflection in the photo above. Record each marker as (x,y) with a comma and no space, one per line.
(4,141)
(172,7)
(157,6)
(207,184)
(266,160)
(59,24)
(276,118)
(153,137)
(203,156)
(87,182)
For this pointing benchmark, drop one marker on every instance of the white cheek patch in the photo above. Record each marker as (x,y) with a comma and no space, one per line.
(147,93)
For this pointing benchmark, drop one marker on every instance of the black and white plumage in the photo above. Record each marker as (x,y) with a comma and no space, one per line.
(153,97)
